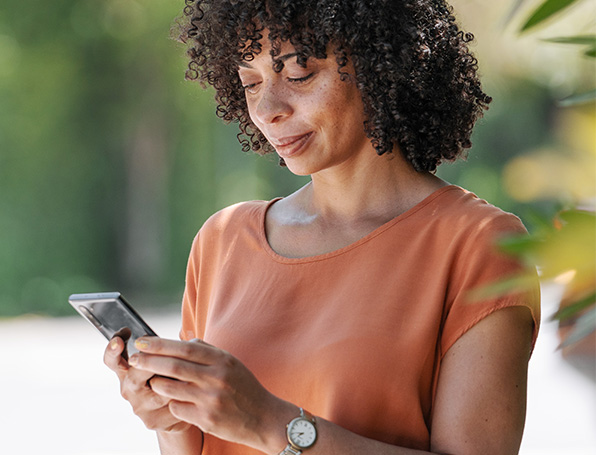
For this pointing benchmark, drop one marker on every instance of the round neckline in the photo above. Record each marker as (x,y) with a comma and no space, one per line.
(330,254)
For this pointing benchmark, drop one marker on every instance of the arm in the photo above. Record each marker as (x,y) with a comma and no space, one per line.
(480,401)
(481,396)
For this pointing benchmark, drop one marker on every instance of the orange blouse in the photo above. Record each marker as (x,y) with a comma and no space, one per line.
(356,335)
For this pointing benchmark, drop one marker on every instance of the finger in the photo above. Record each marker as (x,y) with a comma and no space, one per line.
(113,356)
(138,378)
(193,351)
(136,391)
(171,367)
(145,400)
(125,333)
(158,419)
(183,411)
(172,389)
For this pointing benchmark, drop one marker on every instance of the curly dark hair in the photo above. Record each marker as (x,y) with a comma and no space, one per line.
(416,74)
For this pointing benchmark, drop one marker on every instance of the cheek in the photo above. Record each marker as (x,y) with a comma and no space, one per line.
(346,109)
(329,104)
(343,98)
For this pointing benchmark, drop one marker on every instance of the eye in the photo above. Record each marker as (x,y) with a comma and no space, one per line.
(298,80)
(251,88)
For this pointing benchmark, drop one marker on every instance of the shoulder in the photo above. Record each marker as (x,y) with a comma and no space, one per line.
(224,226)
(465,215)
(472,229)
(234,217)
(470,232)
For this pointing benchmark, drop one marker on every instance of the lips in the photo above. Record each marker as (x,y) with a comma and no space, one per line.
(290,145)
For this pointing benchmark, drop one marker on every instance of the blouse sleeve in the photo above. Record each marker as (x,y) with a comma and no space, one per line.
(188,332)
(207,256)
(481,263)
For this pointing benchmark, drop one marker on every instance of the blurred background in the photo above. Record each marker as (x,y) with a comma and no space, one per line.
(110,161)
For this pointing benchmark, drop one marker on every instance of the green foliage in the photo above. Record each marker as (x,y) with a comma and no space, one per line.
(583,327)
(578,98)
(545,11)
(576,307)
(564,250)
(586,40)
(566,245)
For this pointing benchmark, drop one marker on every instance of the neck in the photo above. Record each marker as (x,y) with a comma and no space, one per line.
(379,187)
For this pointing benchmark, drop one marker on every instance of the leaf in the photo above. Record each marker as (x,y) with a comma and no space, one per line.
(541,222)
(588,40)
(585,40)
(571,247)
(580,98)
(569,244)
(571,310)
(511,285)
(585,325)
(544,11)
(566,247)
(519,245)
(577,217)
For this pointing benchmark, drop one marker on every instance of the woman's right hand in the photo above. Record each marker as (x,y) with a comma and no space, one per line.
(150,407)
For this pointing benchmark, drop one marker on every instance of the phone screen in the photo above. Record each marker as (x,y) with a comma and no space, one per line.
(111,314)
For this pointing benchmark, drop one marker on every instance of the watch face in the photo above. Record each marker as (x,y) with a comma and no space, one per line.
(302,433)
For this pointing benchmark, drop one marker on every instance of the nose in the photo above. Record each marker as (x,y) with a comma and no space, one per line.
(274,103)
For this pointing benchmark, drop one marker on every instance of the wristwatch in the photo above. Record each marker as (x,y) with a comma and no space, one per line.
(301,433)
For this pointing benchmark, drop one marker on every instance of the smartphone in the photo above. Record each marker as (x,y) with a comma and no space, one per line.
(111,314)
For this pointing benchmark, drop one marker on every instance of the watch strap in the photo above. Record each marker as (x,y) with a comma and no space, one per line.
(289,450)
(307,415)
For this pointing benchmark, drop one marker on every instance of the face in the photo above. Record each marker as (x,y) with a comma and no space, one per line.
(313,119)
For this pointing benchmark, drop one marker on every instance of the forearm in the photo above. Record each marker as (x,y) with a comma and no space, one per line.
(332,439)
(188,442)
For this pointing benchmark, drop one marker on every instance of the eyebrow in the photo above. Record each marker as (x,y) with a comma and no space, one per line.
(282,58)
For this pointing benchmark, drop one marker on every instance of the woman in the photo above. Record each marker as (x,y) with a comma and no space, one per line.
(339,320)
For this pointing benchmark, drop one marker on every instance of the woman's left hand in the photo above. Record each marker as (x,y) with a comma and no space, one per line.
(213,390)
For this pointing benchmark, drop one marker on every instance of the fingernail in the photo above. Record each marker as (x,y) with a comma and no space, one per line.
(134,360)
(114,344)
(141,343)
